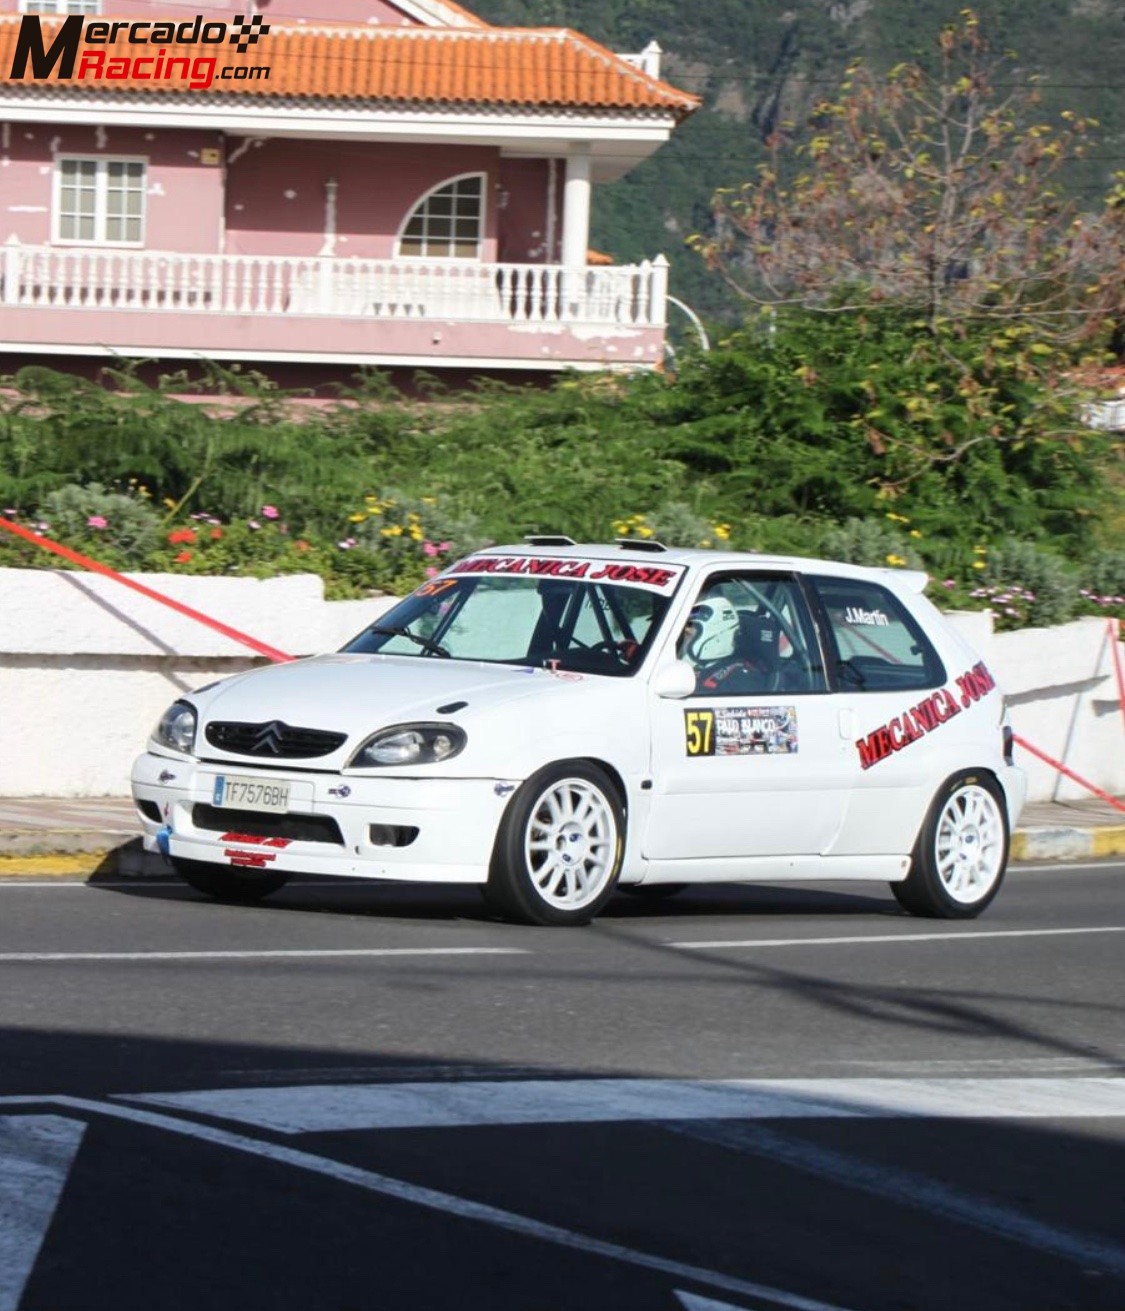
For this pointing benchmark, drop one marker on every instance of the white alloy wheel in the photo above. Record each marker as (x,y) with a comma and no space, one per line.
(969,844)
(571,843)
(962,850)
(559,847)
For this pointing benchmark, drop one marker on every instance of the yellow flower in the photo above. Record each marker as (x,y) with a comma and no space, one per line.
(644,530)
(722,531)
(979,564)
(895,560)
(357,518)
(429,500)
(980,550)
(169,503)
(706,542)
(915,533)
(416,532)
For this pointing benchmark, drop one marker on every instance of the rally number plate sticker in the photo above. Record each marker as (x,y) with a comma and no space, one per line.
(741,731)
(270,796)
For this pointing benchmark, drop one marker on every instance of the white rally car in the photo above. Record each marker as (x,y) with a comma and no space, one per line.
(552,721)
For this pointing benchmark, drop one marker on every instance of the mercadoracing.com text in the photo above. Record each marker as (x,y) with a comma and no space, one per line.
(78,51)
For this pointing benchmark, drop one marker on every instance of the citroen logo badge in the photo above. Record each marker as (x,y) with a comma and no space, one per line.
(267,740)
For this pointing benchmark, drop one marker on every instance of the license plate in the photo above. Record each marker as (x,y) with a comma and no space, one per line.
(251,794)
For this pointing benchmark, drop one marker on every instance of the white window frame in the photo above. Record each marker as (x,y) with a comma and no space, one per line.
(101,214)
(91,8)
(425,196)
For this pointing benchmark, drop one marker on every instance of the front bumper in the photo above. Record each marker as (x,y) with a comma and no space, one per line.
(456,822)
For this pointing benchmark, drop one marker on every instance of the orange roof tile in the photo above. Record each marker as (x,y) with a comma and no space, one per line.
(519,67)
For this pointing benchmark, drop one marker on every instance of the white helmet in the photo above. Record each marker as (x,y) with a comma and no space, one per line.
(711,630)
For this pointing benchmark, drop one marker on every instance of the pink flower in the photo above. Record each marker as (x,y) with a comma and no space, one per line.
(444,546)
(950,582)
(428,548)
(431,572)
(97,521)
(270,512)
(347,544)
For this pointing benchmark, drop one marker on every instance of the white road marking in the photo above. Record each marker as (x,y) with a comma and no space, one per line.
(690,1302)
(36,1153)
(917,1190)
(449,1204)
(968,935)
(22,957)
(333,1108)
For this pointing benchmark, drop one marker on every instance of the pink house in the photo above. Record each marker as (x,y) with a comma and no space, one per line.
(391,182)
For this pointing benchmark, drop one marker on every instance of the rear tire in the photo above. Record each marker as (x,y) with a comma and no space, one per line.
(559,849)
(961,854)
(234,886)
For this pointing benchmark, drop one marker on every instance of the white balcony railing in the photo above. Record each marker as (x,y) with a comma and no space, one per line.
(160,281)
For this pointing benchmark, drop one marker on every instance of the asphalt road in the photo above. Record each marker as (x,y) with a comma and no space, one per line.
(360,1096)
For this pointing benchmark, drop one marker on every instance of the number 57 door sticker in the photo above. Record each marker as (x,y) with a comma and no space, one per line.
(741,731)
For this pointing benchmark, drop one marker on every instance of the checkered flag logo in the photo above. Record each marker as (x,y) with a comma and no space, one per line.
(245,34)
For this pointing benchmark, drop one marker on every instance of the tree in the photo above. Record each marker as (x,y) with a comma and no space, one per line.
(934,190)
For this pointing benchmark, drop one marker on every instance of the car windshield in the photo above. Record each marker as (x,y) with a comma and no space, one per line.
(565,624)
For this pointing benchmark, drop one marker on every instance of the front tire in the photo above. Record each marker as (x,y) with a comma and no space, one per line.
(559,849)
(962,851)
(234,886)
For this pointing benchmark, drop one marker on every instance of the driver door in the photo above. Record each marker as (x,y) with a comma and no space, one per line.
(754,762)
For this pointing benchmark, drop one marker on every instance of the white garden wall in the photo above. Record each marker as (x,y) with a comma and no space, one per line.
(87,667)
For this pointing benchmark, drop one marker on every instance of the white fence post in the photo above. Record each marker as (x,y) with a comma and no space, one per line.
(12,262)
(658,303)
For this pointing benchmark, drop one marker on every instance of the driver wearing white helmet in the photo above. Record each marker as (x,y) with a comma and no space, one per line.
(713,642)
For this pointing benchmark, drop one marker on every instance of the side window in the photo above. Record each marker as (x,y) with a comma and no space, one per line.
(751,635)
(879,646)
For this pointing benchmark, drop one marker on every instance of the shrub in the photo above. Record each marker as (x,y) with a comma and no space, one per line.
(89,518)
(870,542)
(1026,585)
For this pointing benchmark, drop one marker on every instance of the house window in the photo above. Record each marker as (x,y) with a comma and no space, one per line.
(60,6)
(100,201)
(448,222)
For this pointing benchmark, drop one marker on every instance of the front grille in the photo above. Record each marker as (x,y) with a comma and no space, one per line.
(273,740)
(298,828)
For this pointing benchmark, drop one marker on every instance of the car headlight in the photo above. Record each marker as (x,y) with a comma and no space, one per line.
(176,729)
(410,744)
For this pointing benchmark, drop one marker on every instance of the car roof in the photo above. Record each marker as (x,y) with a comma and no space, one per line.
(655,553)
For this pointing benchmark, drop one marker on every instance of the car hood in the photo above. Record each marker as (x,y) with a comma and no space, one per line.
(361,694)
(356,694)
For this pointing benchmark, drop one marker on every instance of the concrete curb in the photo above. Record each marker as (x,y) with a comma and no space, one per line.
(66,855)
(1068,843)
(63,854)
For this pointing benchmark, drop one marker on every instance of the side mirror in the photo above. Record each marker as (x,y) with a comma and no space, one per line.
(674,681)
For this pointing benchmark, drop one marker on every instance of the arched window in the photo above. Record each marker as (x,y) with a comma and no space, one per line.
(448,222)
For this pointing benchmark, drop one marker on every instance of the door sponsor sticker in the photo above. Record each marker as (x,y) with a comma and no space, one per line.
(929,714)
(741,731)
